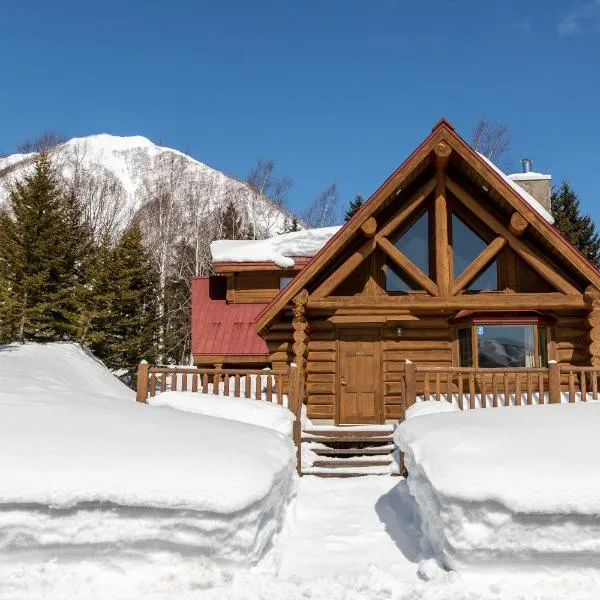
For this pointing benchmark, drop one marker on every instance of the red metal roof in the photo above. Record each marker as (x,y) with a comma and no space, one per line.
(221,328)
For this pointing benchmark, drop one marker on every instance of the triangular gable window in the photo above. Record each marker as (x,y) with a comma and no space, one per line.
(414,243)
(396,280)
(466,246)
(486,279)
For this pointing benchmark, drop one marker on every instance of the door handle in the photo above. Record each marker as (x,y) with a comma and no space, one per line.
(342,382)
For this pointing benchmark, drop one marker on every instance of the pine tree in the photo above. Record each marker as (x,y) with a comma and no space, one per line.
(578,228)
(354,206)
(39,257)
(289,226)
(124,328)
(232,224)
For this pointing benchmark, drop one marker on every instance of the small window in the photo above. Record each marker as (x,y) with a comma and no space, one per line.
(283,281)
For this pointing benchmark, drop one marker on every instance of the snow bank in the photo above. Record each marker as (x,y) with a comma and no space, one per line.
(523,193)
(279,249)
(85,471)
(513,487)
(262,413)
(430,407)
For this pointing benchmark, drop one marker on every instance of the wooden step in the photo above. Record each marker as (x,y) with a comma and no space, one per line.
(377,450)
(357,437)
(354,433)
(351,463)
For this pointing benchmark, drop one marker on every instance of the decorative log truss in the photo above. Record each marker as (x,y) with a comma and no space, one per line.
(445,285)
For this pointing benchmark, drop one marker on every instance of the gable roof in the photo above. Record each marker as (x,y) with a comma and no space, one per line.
(443,131)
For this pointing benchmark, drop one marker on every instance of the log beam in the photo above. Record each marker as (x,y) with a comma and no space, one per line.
(518,224)
(539,265)
(342,272)
(408,266)
(441,304)
(479,262)
(442,153)
(369,227)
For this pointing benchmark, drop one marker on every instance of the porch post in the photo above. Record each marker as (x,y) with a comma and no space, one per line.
(301,329)
(410,385)
(592,299)
(141,387)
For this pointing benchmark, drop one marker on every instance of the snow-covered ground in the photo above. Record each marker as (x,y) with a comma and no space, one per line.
(102,498)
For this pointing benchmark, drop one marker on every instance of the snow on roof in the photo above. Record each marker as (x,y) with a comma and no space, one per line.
(529,176)
(279,249)
(525,195)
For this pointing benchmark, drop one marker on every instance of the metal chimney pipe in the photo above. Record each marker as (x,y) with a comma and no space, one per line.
(527,164)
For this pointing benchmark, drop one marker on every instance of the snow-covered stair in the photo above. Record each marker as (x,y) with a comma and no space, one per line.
(350,451)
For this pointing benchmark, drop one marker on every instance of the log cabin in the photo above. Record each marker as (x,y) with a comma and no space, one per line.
(449,265)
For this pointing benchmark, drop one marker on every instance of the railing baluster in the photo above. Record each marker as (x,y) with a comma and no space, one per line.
(472,391)
(449,387)
(583,386)
(226,385)
(594,378)
(173,381)
(217,383)
(205,383)
(571,386)
(541,388)
(483,402)
(506,389)
(517,389)
(163,381)
(152,385)
(247,386)
(184,382)
(194,382)
(279,389)
(529,389)
(495,400)
(461,400)
(258,388)
(236,386)
(269,388)
(426,386)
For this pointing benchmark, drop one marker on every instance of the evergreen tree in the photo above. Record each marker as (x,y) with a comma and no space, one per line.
(354,206)
(124,328)
(232,227)
(39,257)
(289,226)
(578,228)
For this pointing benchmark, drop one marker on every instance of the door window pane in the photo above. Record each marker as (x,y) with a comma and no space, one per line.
(414,243)
(543,346)
(505,345)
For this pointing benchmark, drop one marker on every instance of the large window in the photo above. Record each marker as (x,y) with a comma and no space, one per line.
(414,244)
(466,246)
(499,345)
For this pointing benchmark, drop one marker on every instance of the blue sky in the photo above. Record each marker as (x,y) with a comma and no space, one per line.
(332,90)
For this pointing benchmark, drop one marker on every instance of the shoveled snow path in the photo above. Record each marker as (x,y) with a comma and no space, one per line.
(341,526)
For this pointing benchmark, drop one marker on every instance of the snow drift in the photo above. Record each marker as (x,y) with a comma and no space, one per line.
(261,413)
(512,487)
(86,472)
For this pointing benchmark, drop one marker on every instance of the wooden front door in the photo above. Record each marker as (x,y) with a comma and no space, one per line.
(359,379)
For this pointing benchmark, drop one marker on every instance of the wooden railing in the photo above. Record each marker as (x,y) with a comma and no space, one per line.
(264,384)
(258,384)
(471,388)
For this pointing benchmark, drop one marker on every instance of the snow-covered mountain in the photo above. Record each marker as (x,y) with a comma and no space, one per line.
(127,171)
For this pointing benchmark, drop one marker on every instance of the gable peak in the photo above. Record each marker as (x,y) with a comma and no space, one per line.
(443,123)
